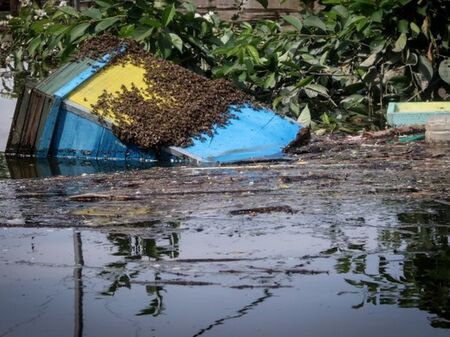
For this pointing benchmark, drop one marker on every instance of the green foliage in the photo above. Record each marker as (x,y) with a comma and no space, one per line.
(345,62)
(342,61)
(49,35)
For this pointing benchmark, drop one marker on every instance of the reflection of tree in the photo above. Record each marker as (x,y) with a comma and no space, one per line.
(78,287)
(421,278)
(155,306)
(134,248)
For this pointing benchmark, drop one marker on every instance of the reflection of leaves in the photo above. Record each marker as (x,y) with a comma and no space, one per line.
(156,304)
(331,250)
(153,308)
(123,281)
(354,246)
(343,264)
(354,283)
(421,279)
(357,306)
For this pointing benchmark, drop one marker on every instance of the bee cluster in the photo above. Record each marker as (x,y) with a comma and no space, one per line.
(177,105)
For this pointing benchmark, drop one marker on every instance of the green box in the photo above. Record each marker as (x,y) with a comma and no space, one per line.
(410,113)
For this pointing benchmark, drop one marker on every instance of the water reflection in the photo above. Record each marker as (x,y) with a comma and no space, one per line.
(415,270)
(136,248)
(115,281)
(28,167)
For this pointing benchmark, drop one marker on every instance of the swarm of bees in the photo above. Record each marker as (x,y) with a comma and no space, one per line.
(177,106)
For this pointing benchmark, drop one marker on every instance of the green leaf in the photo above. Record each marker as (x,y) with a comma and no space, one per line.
(305,117)
(151,22)
(103,4)
(253,53)
(377,16)
(370,61)
(403,26)
(38,26)
(270,81)
(316,88)
(263,3)
(142,32)
(341,11)
(106,23)
(400,44)
(57,29)
(126,31)
(304,82)
(33,45)
(190,7)
(325,118)
(444,70)
(93,13)
(426,68)
(293,21)
(78,31)
(69,11)
(177,42)
(167,15)
(414,28)
(352,101)
(314,21)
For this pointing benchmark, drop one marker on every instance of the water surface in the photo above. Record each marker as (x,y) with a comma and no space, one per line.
(386,277)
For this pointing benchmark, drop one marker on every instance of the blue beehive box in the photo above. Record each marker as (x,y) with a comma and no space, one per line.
(54,119)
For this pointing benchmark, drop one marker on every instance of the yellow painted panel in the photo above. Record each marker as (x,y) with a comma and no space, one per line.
(111,79)
(422,107)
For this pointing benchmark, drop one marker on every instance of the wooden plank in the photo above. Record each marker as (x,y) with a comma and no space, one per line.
(48,103)
(18,123)
(43,144)
(31,127)
(62,76)
(75,137)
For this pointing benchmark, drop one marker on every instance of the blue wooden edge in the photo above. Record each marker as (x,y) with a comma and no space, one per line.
(43,144)
(79,135)
(390,111)
(255,134)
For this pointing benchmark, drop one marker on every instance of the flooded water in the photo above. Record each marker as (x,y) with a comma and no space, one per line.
(387,274)
(19,168)
(348,256)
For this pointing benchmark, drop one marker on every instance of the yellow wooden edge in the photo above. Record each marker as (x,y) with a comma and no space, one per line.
(112,79)
(422,107)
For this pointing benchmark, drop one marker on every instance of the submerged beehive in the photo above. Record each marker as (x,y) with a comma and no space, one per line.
(56,118)
(47,124)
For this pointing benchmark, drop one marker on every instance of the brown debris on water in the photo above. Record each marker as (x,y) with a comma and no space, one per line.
(183,104)
(263,210)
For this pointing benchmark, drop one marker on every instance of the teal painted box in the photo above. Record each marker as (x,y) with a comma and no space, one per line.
(410,113)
